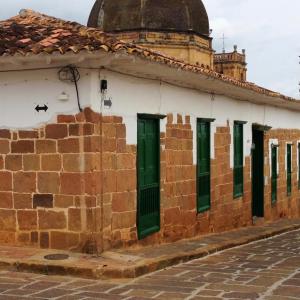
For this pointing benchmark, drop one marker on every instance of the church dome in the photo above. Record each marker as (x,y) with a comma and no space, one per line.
(151,15)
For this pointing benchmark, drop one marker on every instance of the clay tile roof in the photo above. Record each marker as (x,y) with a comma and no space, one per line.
(32,33)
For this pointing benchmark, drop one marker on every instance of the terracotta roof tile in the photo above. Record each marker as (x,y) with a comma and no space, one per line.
(33,33)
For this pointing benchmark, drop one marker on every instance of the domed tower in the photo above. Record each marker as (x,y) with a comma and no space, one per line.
(177,28)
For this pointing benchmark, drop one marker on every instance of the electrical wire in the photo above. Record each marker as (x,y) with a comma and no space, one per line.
(71,73)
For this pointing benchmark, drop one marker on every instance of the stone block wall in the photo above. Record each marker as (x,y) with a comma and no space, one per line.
(72,185)
(285,206)
(226,212)
(179,196)
(50,183)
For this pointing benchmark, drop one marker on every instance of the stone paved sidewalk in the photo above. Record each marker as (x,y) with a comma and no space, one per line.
(131,263)
(268,269)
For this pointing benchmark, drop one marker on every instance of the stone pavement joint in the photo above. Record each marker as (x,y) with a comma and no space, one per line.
(268,269)
(134,262)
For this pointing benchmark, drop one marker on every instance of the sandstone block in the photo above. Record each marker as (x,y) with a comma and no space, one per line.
(70,145)
(92,144)
(126,180)
(110,181)
(123,220)
(74,219)
(56,131)
(109,161)
(92,183)
(74,130)
(122,202)
(63,201)
(24,182)
(22,201)
(126,161)
(65,119)
(122,147)
(48,182)
(88,129)
(71,184)
(120,131)
(28,134)
(91,116)
(5,181)
(31,162)
(64,240)
(44,240)
(43,200)
(23,238)
(6,200)
(5,134)
(172,216)
(4,147)
(45,146)
(27,219)
(51,162)
(73,162)
(34,237)
(13,162)
(7,220)
(49,219)
(23,146)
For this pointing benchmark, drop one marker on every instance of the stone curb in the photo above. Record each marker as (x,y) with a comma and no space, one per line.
(140,268)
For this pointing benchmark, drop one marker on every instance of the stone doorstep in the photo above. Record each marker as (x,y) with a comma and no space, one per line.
(128,263)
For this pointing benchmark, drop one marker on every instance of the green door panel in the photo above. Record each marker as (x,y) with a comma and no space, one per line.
(274,174)
(203,166)
(289,169)
(148,210)
(238,160)
(258,173)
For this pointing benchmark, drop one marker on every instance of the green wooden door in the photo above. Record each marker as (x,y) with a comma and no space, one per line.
(274,174)
(203,165)
(148,210)
(258,173)
(289,169)
(238,160)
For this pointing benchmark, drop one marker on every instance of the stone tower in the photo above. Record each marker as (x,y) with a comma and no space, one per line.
(177,28)
(232,64)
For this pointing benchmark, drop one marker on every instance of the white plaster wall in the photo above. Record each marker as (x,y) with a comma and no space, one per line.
(132,95)
(20,92)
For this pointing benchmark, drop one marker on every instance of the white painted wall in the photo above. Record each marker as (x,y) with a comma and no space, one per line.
(134,95)
(20,92)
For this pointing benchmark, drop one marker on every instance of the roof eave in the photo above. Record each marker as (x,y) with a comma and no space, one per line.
(132,65)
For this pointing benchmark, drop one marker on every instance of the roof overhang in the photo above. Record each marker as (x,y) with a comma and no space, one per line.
(132,65)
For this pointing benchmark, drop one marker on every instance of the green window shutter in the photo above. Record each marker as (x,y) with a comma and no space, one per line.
(238,171)
(274,174)
(289,168)
(203,166)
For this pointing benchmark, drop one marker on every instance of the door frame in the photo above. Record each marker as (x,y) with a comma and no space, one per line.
(209,121)
(261,129)
(157,117)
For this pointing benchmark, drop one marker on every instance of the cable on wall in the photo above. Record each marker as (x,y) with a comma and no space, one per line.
(70,73)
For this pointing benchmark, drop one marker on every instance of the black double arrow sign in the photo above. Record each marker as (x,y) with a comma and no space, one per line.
(41,108)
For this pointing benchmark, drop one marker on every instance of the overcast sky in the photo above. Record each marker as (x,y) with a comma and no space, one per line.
(269,31)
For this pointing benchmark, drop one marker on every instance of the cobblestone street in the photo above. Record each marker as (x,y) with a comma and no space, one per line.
(268,269)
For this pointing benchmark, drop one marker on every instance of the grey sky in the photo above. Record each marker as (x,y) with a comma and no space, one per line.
(269,31)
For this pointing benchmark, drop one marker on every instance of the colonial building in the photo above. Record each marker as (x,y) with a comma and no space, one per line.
(132,131)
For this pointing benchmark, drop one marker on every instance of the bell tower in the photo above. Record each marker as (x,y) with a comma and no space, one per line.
(232,64)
